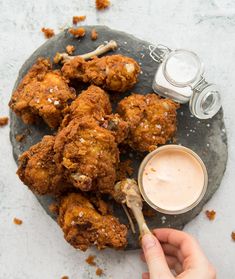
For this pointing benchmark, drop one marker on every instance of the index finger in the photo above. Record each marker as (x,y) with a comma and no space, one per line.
(181,240)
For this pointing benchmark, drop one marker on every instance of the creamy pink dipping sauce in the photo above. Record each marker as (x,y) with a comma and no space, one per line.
(173,179)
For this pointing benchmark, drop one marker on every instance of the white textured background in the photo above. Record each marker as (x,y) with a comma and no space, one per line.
(36,249)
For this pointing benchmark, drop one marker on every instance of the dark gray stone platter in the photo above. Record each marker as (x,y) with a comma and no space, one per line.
(207,138)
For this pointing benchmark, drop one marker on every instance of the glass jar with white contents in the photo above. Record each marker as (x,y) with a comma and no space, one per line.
(180,77)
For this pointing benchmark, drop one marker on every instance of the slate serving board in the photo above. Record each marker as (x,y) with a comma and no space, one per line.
(207,138)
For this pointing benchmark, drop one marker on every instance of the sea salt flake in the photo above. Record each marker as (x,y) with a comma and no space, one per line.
(56,103)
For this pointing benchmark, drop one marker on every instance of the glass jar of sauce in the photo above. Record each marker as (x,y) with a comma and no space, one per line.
(180,77)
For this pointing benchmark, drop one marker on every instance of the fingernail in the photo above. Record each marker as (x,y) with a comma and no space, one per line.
(148,241)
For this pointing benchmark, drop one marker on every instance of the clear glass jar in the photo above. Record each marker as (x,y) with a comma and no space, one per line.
(180,77)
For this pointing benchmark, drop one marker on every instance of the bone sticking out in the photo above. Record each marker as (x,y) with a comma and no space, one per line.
(127,191)
(111,45)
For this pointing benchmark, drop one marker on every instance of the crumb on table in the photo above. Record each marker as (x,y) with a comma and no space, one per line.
(17,221)
(99,272)
(94,34)
(19,137)
(64,277)
(77,32)
(4,121)
(54,208)
(91,260)
(77,19)
(233,236)
(70,49)
(102,4)
(210,214)
(48,32)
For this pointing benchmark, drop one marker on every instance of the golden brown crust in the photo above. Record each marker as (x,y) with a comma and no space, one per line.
(42,93)
(77,19)
(38,170)
(210,214)
(115,72)
(4,121)
(17,221)
(94,34)
(48,32)
(70,49)
(91,102)
(102,4)
(152,120)
(88,154)
(77,32)
(84,227)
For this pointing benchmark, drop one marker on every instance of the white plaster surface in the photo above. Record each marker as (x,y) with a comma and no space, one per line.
(36,249)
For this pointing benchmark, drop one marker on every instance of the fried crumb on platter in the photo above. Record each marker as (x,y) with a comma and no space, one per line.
(17,221)
(102,4)
(20,137)
(77,19)
(94,34)
(210,214)
(4,121)
(64,277)
(70,49)
(91,260)
(77,32)
(99,272)
(48,32)
(54,208)
(233,236)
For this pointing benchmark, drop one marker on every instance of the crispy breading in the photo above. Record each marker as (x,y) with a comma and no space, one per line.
(94,34)
(48,32)
(91,102)
(83,226)
(38,170)
(42,93)
(102,4)
(152,120)
(77,32)
(77,19)
(88,154)
(70,49)
(114,72)
(4,121)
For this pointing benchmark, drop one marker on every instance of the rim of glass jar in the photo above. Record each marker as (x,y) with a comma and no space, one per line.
(198,75)
(150,156)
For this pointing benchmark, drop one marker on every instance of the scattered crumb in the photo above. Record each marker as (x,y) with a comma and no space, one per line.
(17,221)
(64,277)
(77,19)
(210,214)
(149,212)
(70,49)
(77,33)
(57,58)
(94,34)
(153,170)
(4,121)
(20,137)
(233,236)
(124,170)
(53,207)
(102,4)
(99,272)
(91,260)
(48,33)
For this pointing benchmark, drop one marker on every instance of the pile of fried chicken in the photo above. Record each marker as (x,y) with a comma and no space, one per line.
(78,164)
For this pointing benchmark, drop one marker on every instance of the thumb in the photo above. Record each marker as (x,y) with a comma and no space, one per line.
(155,258)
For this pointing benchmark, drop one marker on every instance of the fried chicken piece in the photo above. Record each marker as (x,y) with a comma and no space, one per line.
(115,72)
(116,125)
(38,170)
(42,93)
(88,154)
(91,102)
(83,226)
(152,120)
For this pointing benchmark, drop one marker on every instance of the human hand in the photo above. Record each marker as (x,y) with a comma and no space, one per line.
(170,249)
